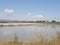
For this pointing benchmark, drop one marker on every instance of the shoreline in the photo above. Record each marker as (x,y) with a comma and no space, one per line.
(21,24)
(27,24)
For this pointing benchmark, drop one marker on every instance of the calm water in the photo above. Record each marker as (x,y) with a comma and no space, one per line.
(25,33)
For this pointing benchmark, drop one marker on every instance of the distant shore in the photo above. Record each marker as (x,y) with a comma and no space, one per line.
(25,24)
(20,24)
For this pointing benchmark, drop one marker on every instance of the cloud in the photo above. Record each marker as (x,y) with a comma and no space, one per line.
(29,13)
(7,32)
(38,16)
(34,17)
(8,11)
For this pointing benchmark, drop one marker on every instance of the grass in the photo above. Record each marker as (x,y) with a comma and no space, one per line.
(54,23)
(41,41)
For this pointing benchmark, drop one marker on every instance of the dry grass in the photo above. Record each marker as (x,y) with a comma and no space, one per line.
(41,41)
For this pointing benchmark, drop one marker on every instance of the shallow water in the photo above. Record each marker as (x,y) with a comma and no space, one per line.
(25,33)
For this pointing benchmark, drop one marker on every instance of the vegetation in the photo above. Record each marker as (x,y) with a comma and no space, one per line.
(41,41)
(54,23)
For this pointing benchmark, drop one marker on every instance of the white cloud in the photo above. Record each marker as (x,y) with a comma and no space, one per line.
(38,16)
(34,17)
(7,32)
(29,13)
(8,11)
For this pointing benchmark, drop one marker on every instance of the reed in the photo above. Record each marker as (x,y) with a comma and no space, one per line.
(40,41)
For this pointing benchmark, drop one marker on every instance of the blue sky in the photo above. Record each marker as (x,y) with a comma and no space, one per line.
(30,9)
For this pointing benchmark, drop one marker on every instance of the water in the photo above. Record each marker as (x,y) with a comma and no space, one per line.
(25,33)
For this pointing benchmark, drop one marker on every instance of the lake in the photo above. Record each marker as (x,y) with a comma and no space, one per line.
(25,33)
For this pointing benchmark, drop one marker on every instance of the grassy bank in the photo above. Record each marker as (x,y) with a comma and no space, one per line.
(54,23)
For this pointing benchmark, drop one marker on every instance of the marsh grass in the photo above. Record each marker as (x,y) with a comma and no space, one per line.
(40,41)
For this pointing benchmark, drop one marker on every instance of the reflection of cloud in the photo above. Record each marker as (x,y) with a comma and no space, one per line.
(7,32)
(8,11)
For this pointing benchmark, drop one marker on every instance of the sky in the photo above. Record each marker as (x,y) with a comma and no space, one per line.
(30,10)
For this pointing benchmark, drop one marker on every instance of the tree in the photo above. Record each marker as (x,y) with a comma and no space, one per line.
(53,21)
